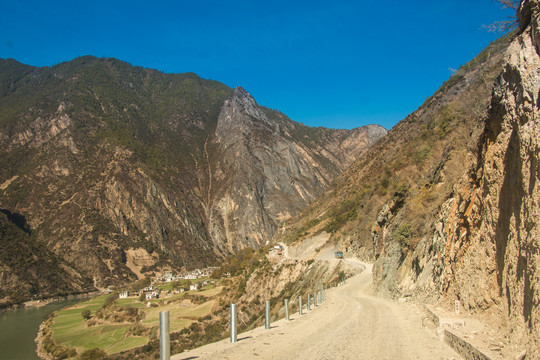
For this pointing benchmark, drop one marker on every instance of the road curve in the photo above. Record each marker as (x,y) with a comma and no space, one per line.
(350,324)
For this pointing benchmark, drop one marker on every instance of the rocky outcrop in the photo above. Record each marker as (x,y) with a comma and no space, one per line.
(267,172)
(508,201)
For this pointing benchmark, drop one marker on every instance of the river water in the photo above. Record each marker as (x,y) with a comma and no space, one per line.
(18,329)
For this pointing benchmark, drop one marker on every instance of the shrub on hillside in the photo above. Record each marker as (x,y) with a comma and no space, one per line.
(86,314)
(94,354)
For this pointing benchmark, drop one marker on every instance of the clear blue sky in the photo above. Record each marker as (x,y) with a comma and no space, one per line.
(338,63)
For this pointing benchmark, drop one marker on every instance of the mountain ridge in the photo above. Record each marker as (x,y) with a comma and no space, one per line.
(102,157)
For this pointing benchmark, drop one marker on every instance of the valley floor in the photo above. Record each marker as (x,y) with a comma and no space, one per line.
(350,324)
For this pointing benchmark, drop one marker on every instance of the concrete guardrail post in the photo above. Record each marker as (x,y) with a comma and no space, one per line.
(286,308)
(308,305)
(300,305)
(315,299)
(164,336)
(267,314)
(233,323)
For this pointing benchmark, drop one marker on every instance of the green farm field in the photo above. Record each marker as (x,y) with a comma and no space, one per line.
(70,329)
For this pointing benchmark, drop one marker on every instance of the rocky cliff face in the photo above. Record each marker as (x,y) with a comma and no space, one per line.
(105,160)
(269,168)
(485,245)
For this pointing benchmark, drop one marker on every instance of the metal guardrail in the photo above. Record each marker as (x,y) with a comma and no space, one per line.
(164,336)
(233,324)
(267,314)
(164,330)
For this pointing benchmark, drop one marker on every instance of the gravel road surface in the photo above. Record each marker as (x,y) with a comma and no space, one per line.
(350,324)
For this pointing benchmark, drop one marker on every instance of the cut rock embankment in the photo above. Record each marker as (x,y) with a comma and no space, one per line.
(469,337)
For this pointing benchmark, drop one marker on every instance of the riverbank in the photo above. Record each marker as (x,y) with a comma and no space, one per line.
(47,301)
(19,327)
(38,303)
(40,351)
(121,325)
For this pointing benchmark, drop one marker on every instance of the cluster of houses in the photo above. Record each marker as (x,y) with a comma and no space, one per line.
(168,276)
(150,292)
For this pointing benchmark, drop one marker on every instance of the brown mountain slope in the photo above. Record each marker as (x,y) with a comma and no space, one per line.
(102,158)
(28,269)
(412,170)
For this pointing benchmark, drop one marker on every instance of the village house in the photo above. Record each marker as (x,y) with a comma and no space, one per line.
(148,289)
(152,295)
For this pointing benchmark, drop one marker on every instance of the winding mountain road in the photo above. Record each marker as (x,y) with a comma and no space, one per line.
(350,324)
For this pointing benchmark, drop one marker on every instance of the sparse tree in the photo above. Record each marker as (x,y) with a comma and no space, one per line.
(510,4)
(86,314)
(505,25)
(94,354)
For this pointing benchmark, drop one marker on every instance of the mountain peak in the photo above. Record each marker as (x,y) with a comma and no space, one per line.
(241,92)
(239,116)
(241,97)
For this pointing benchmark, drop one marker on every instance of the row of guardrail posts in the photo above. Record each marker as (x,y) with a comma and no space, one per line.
(164,334)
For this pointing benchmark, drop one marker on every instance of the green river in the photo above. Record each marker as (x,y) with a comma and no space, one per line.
(18,329)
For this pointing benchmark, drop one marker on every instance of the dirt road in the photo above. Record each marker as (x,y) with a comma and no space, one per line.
(350,324)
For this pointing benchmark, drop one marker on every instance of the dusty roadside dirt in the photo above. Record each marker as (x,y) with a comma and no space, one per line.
(350,324)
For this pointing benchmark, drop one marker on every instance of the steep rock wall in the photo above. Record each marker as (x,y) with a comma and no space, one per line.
(268,169)
(510,196)
(484,245)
